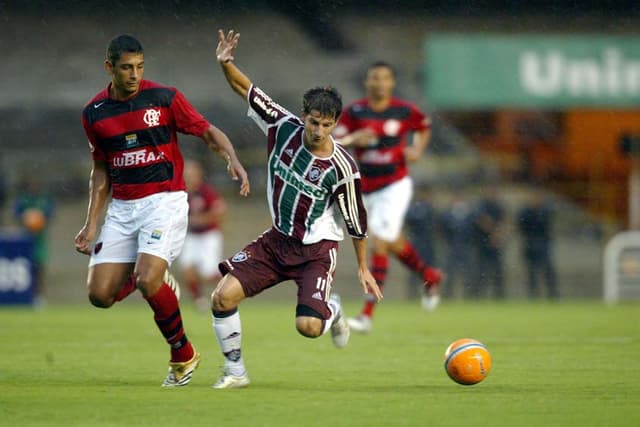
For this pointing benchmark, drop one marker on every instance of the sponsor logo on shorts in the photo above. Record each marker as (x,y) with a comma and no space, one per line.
(240,256)
(97,248)
(156,234)
(314,173)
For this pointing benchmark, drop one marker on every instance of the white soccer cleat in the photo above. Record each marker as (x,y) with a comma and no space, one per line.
(232,381)
(340,332)
(430,302)
(173,283)
(180,373)
(361,324)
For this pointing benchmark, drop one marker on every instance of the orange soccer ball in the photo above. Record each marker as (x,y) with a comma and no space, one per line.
(467,361)
(34,220)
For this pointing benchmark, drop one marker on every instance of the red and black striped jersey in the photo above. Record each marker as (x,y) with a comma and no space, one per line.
(384,162)
(137,138)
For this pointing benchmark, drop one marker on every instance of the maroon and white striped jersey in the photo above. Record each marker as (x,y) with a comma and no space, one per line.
(305,192)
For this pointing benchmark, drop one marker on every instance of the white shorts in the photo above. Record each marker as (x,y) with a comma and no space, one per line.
(387,207)
(202,251)
(155,225)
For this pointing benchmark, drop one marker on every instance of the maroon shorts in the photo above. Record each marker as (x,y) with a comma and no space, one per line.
(273,258)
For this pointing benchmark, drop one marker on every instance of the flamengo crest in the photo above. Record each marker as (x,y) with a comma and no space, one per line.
(152,117)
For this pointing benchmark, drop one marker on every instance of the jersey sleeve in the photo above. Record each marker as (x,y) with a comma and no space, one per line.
(188,120)
(263,110)
(418,120)
(348,196)
(96,151)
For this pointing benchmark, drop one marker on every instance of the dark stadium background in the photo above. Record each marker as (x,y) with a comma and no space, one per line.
(52,53)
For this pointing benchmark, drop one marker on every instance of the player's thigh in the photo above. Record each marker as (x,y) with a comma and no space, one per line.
(315,280)
(149,271)
(255,266)
(105,280)
(164,226)
(387,208)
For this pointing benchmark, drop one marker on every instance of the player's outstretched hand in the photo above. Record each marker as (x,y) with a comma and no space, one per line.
(83,240)
(236,172)
(226,46)
(369,284)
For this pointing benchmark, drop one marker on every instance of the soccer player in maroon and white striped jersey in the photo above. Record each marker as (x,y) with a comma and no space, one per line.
(310,180)
(377,127)
(132,126)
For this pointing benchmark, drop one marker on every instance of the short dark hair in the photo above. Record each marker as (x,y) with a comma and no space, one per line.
(325,100)
(123,43)
(380,64)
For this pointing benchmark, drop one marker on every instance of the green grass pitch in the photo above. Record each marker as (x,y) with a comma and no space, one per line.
(563,364)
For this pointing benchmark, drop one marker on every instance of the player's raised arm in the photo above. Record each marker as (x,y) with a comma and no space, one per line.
(238,81)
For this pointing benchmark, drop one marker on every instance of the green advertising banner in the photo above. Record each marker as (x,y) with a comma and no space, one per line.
(472,71)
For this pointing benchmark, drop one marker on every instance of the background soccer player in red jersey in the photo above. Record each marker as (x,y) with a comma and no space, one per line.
(202,250)
(377,127)
(310,179)
(132,126)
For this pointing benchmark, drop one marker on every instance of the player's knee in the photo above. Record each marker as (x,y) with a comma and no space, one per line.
(220,301)
(101,298)
(309,322)
(310,327)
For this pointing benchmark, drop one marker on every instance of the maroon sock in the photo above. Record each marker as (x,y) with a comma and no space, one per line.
(127,289)
(167,316)
(409,257)
(379,267)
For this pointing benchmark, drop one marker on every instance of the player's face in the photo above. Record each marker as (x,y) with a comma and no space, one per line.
(380,83)
(126,73)
(317,128)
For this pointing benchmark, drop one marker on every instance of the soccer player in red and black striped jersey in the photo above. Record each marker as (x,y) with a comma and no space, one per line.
(377,127)
(132,126)
(311,181)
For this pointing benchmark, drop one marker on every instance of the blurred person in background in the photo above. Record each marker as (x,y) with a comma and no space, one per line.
(457,227)
(377,127)
(132,127)
(202,250)
(311,179)
(421,223)
(33,209)
(535,223)
(489,220)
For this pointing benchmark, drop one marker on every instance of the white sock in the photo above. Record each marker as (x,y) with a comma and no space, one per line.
(228,330)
